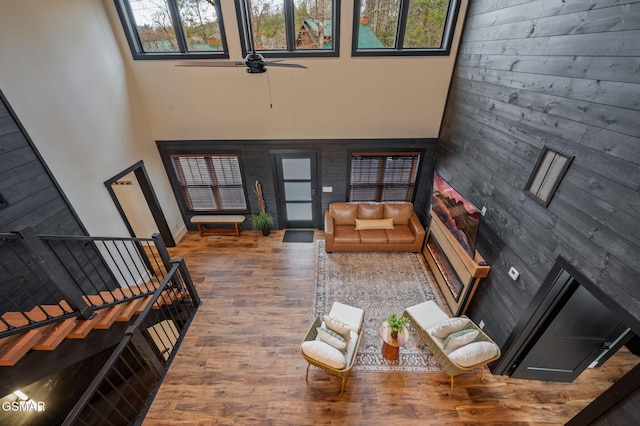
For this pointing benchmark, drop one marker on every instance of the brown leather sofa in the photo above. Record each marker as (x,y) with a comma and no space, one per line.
(375,227)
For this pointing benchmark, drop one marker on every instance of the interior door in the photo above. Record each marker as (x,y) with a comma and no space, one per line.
(579,330)
(297,189)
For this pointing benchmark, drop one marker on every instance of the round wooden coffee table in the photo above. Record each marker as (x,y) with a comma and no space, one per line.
(391,346)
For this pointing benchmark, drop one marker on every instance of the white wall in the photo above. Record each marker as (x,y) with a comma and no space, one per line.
(343,97)
(62,72)
(92,111)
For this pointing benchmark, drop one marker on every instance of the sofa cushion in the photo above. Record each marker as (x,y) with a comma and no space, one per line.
(345,234)
(401,234)
(324,353)
(373,236)
(370,211)
(448,326)
(332,338)
(400,213)
(343,213)
(364,224)
(474,353)
(457,339)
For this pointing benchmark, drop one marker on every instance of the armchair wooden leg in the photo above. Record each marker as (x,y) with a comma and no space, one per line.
(306,377)
(344,380)
(451,390)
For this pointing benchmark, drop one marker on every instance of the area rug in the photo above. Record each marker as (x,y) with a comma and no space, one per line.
(297,236)
(381,284)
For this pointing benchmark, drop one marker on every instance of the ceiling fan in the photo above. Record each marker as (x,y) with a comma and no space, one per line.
(254,62)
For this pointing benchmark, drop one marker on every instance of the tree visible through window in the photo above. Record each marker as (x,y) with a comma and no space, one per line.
(289,25)
(383,176)
(173,27)
(404,26)
(210,182)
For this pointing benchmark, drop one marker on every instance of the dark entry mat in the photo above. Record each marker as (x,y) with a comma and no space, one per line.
(298,237)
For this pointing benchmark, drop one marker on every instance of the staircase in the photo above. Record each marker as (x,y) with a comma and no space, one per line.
(48,337)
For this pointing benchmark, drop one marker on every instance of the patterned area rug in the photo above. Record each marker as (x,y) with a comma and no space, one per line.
(381,284)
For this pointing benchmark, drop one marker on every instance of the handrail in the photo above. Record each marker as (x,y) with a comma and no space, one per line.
(54,277)
(128,403)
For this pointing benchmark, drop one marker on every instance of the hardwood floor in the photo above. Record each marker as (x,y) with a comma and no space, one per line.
(239,363)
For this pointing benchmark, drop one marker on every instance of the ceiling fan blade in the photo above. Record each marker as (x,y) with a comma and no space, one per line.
(211,64)
(280,64)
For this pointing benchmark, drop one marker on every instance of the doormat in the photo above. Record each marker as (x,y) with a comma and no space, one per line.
(298,237)
(381,284)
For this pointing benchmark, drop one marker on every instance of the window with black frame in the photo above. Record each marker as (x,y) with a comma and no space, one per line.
(403,27)
(389,176)
(289,27)
(211,182)
(166,29)
(547,174)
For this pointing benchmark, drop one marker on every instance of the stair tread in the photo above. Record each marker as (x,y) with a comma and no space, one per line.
(13,348)
(54,334)
(109,317)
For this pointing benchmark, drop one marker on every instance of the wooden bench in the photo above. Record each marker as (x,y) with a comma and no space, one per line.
(222,219)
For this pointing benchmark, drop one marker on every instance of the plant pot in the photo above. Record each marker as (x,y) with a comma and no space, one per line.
(266,230)
(394,334)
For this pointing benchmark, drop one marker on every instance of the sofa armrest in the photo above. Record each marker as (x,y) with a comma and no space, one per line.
(328,231)
(416,227)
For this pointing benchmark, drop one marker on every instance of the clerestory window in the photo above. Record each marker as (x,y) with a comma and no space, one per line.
(170,29)
(403,27)
(285,28)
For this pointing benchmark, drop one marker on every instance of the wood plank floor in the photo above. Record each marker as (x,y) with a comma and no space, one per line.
(239,363)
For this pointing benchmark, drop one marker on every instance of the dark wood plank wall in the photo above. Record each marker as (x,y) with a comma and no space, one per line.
(534,73)
(256,157)
(33,199)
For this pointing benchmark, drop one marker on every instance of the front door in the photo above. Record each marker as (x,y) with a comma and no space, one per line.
(576,334)
(297,189)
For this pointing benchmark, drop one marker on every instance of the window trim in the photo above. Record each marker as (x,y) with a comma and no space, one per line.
(169,149)
(401,153)
(291,33)
(536,169)
(447,37)
(127,19)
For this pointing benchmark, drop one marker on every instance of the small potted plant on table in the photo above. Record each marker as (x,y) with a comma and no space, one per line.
(396,324)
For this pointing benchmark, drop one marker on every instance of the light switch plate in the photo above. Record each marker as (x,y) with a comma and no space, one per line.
(513,273)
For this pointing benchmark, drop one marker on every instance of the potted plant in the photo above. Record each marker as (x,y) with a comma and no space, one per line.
(396,324)
(263,220)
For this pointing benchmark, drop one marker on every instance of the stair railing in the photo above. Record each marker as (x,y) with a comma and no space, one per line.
(48,278)
(124,388)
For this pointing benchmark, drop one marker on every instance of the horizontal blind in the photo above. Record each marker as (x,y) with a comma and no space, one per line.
(383,176)
(210,182)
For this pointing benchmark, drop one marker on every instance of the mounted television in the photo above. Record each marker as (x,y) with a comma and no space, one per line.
(460,216)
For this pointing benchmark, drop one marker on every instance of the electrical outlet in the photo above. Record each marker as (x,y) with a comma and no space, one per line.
(483,211)
(513,273)
(481,325)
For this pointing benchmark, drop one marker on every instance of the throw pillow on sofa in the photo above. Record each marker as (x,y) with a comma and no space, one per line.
(338,326)
(370,224)
(458,339)
(332,338)
(448,326)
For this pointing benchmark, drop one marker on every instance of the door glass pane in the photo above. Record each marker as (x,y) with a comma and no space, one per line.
(200,24)
(297,191)
(313,24)
(296,168)
(299,211)
(154,26)
(267,23)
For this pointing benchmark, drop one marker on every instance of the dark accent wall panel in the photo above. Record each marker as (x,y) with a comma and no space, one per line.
(531,74)
(256,157)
